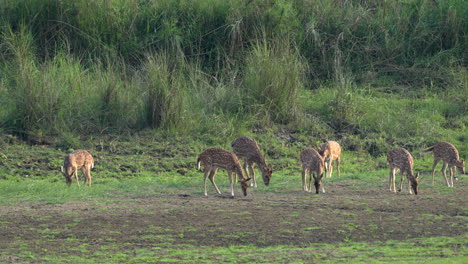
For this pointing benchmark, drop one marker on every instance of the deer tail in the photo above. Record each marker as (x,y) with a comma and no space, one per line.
(420,154)
(198,163)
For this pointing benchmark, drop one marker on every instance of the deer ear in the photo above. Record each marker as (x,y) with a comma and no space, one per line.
(248,179)
(417,176)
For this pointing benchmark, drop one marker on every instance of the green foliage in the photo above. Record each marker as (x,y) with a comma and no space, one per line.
(166,85)
(274,78)
(80,68)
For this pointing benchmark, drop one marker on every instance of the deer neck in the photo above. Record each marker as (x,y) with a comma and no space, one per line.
(260,160)
(239,172)
(326,153)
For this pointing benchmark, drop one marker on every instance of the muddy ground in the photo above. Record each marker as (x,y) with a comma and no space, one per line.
(344,213)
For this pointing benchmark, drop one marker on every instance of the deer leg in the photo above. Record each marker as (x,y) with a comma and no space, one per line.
(89,175)
(75,172)
(452,174)
(444,172)
(211,177)
(232,182)
(85,174)
(310,180)
(327,167)
(338,160)
(304,180)
(207,171)
(252,172)
(321,183)
(433,169)
(392,180)
(246,169)
(330,166)
(401,180)
(409,185)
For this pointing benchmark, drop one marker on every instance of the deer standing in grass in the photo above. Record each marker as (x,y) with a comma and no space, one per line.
(215,158)
(312,165)
(449,155)
(401,159)
(78,159)
(248,150)
(331,151)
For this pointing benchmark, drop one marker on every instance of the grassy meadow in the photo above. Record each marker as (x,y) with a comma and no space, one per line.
(146,86)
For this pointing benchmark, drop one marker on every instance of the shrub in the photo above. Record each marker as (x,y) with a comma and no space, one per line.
(165,83)
(273,78)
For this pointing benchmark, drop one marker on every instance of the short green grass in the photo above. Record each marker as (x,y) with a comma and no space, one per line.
(431,250)
(134,169)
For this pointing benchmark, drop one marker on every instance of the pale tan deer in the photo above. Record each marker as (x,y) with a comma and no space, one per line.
(449,155)
(401,159)
(312,165)
(331,151)
(215,158)
(247,149)
(78,159)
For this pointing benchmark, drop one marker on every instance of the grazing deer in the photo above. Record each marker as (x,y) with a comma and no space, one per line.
(449,155)
(78,159)
(312,165)
(247,149)
(401,159)
(215,158)
(331,151)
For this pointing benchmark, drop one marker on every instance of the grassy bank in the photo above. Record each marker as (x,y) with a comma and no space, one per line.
(371,74)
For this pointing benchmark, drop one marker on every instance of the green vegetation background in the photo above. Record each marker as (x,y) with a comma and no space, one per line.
(370,74)
(147,85)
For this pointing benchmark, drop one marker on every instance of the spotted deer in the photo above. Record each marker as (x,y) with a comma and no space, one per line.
(78,159)
(449,155)
(215,158)
(331,151)
(247,149)
(313,166)
(401,159)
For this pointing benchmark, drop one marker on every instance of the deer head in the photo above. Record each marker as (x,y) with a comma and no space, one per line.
(67,174)
(461,166)
(266,174)
(244,185)
(414,183)
(318,182)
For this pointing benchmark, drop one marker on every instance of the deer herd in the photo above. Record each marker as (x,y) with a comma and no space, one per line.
(314,163)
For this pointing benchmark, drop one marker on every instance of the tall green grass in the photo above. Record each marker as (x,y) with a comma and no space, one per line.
(416,41)
(72,69)
(273,79)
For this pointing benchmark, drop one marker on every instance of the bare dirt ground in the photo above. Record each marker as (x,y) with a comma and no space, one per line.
(262,219)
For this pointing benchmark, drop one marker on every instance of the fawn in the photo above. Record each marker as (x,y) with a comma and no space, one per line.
(401,159)
(78,159)
(215,158)
(331,151)
(449,155)
(312,165)
(246,148)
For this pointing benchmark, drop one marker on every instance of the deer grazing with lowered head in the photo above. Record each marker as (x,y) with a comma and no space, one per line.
(247,149)
(313,166)
(78,159)
(214,158)
(401,159)
(449,155)
(331,151)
